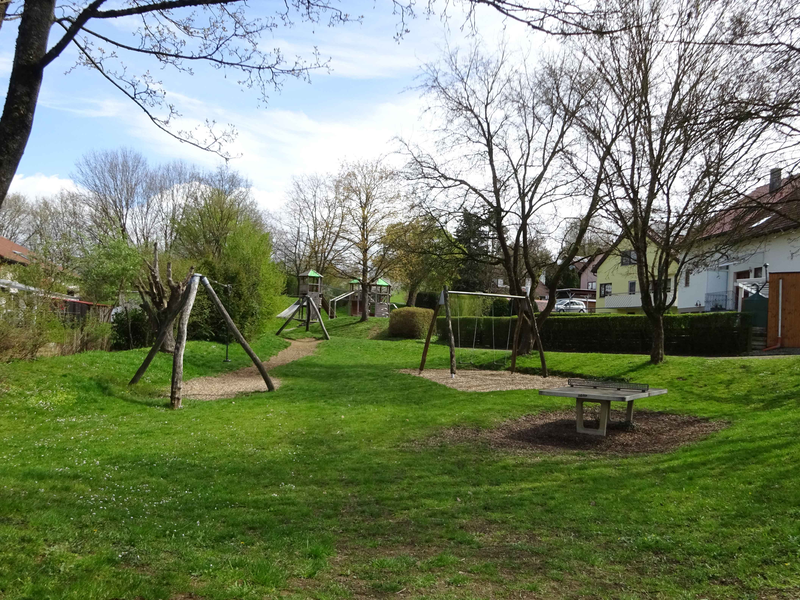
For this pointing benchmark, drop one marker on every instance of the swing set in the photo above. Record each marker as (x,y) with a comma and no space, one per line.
(444,300)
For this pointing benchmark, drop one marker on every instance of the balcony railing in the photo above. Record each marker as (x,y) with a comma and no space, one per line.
(623,301)
(717,301)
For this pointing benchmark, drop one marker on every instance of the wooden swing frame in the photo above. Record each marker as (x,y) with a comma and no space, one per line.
(444,300)
(184,308)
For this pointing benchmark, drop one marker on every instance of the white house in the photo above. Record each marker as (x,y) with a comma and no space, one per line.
(770,243)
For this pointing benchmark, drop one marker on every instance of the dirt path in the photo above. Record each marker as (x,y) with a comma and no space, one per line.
(488,381)
(246,380)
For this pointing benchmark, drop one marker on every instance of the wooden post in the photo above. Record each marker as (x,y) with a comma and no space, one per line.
(309,301)
(291,316)
(517,331)
(319,316)
(180,345)
(166,326)
(239,337)
(446,298)
(537,338)
(431,327)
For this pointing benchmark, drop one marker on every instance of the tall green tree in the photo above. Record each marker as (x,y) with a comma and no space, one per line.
(222,233)
(423,256)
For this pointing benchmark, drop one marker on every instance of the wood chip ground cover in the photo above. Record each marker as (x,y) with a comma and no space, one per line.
(555,432)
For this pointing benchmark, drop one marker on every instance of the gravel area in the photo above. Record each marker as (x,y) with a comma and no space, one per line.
(554,432)
(247,380)
(467,380)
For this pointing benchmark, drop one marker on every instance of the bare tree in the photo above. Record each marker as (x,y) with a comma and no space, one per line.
(117,194)
(683,124)
(175,34)
(125,199)
(58,235)
(15,215)
(291,245)
(505,140)
(317,208)
(371,198)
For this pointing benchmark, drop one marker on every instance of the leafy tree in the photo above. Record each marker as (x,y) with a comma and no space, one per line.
(108,270)
(474,271)
(222,233)
(420,245)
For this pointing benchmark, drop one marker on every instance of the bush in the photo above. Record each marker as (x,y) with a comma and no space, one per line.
(696,334)
(131,329)
(410,322)
(256,284)
(427,299)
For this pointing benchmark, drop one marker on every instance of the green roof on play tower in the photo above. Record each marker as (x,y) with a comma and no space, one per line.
(310,273)
(379,282)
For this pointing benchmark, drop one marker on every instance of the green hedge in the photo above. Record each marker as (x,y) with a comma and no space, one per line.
(696,334)
(410,322)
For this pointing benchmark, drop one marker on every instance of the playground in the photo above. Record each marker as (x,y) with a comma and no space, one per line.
(356,480)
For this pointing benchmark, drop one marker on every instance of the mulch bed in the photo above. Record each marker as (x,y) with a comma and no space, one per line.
(554,432)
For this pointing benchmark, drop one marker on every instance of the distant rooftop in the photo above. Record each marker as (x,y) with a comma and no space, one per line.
(13,252)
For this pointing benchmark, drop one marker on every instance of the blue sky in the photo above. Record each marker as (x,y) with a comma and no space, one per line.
(353,112)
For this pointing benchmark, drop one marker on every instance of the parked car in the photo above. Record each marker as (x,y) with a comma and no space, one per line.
(566,305)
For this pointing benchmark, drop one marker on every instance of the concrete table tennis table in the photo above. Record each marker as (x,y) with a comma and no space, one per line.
(603,393)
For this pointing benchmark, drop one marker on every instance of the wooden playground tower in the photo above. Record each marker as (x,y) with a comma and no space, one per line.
(378,299)
(307,308)
(444,300)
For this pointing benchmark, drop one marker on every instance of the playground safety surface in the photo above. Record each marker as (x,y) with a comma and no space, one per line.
(247,380)
(554,432)
(472,380)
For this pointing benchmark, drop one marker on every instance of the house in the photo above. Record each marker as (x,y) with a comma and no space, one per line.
(770,243)
(588,274)
(13,294)
(12,253)
(760,274)
(618,289)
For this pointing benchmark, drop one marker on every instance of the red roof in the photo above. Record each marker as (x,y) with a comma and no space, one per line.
(13,252)
(762,212)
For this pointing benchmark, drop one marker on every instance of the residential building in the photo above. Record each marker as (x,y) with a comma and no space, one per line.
(618,287)
(13,253)
(769,244)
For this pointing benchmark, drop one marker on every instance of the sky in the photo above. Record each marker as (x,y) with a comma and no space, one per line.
(355,111)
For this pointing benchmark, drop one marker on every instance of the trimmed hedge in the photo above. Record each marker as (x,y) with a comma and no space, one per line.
(694,334)
(410,322)
(427,299)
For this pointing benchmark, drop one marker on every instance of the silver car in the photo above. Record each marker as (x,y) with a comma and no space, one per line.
(566,305)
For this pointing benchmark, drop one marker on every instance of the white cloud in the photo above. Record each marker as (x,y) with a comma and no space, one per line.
(5,63)
(274,145)
(39,185)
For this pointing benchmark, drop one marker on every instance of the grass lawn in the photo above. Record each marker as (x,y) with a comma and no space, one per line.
(321,491)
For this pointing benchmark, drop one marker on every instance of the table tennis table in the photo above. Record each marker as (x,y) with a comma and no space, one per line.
(603,393)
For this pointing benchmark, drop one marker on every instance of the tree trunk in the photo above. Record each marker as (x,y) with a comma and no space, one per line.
(23,87)
(657,351)
(176,392)
(411,300)
(525,336)
(364,300)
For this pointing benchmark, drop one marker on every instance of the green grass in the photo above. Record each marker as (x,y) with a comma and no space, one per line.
(321,491)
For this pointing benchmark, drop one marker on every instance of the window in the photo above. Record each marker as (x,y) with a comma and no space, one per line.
(605,290)
(687,278)
(628,257)
(631,287)
(758,272)
(592,285)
